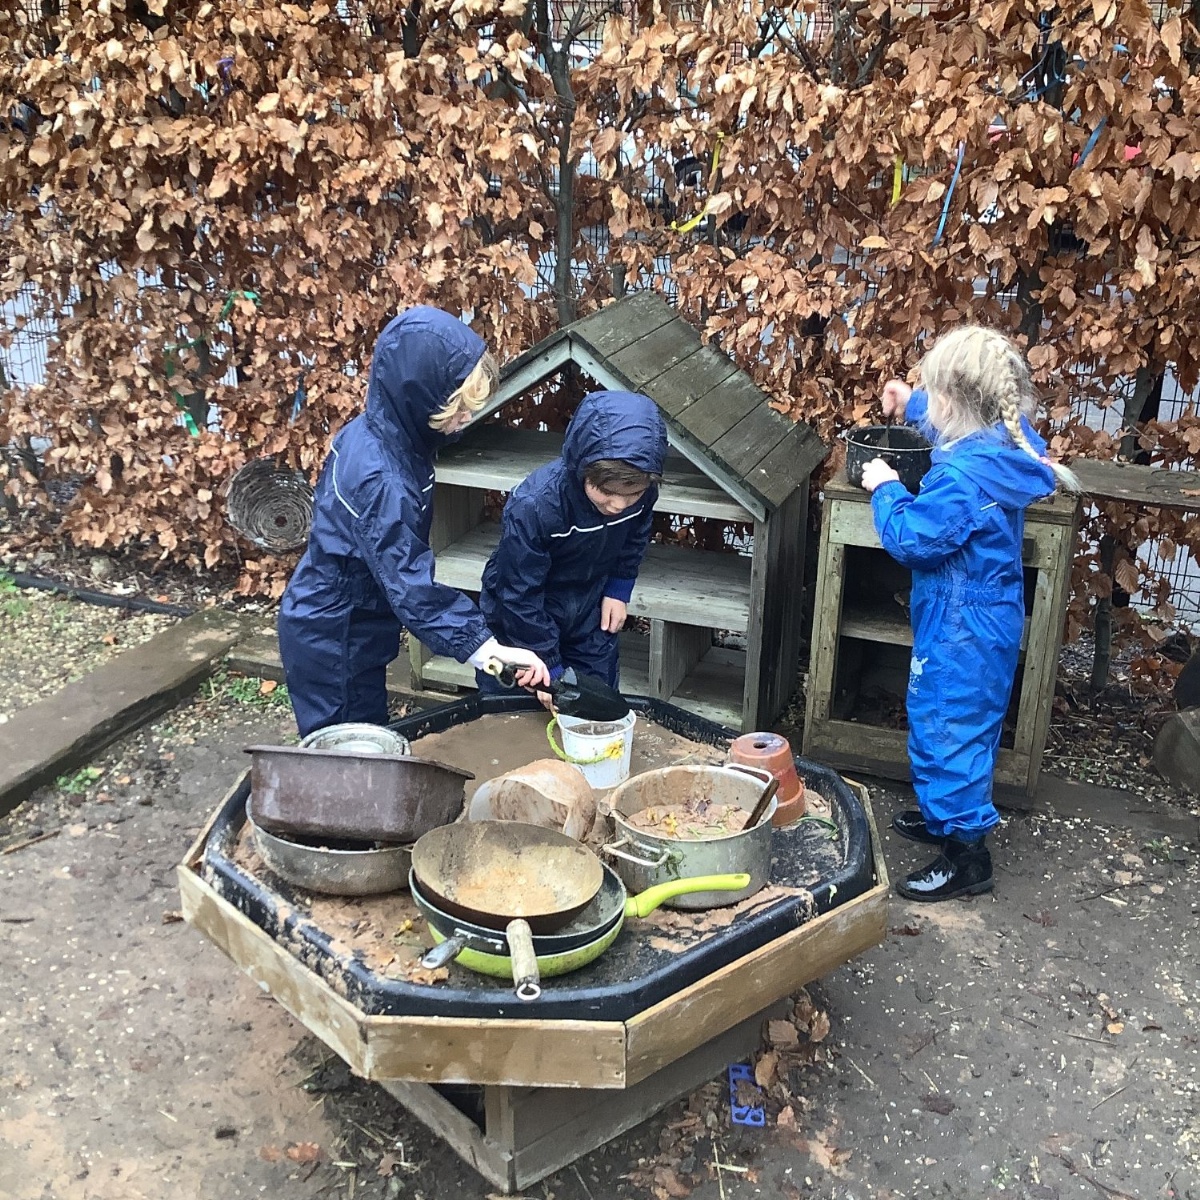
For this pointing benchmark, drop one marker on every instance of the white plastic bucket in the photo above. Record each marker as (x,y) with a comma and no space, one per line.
(600,749)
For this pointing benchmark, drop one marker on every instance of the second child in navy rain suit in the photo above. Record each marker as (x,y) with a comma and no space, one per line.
(961,536)
(574,535)
(368,567)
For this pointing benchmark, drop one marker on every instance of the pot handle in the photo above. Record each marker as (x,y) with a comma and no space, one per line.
(444,952)
(764,777)
(613,849)
(526,974)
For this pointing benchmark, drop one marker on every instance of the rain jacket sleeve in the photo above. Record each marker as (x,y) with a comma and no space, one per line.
(921,532)
(402,562)
(620,584)
(520,584)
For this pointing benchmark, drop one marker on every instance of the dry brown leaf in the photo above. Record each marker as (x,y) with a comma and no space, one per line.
(818,1029)
(782,1034)
(171,917)
(387,1164)
(786,1118)
(270,1154)
(267,687)
(303,1152)
(1115,1027)
(671,1184)
(765,1068)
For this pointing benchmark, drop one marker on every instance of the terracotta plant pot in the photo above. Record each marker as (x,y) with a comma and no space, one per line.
(772,753)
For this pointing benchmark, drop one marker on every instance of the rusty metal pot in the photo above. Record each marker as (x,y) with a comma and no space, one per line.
(644,859)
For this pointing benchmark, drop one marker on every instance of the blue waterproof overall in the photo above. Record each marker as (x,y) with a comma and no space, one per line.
(961,537)
(559,557)
(368,568)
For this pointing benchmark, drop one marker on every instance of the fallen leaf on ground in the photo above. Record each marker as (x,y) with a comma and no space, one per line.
(171,917)
(786,1118)
(818,1029)
(764,1069)
(671,1184)
(387,1164)
(782,1034)
(303,1152)
(1115,1027)
(270,1153)
(267,686)
(905,930)
(938,1104)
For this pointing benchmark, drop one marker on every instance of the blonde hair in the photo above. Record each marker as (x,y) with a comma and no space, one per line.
(471,395)
(976,377)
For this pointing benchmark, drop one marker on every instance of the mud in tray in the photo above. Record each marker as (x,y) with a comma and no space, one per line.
(368,949)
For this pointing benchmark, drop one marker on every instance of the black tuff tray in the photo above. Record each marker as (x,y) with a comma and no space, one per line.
(632,974)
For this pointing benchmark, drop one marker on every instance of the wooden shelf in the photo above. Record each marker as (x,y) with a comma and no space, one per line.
(715,686)
(888,625)
(509,455)
(689,587)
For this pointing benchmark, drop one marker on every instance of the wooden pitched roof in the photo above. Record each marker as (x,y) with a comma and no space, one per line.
(715,414)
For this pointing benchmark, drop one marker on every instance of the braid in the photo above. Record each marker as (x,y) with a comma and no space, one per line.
(1009,374)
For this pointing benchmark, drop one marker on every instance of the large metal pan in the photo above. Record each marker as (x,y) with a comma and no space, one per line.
(494,872)
(485,952)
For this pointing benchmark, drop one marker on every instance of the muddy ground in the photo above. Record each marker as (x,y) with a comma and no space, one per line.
(1041,1043)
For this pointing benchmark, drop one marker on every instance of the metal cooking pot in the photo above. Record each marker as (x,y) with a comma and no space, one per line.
(361,870)
(900,446)
(357,738)
(644,859)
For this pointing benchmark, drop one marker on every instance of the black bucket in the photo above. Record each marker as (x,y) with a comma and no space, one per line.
(900,446)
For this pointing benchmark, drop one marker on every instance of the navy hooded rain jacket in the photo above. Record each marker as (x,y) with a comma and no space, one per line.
(559,557)
(962,537)
(368,567)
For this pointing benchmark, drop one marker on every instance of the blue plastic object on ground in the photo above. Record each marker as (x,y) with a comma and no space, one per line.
(744,1114)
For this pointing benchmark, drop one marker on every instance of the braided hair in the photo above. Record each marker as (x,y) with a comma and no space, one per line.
(976,378)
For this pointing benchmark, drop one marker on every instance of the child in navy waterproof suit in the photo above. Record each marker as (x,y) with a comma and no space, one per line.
(368,567)
(574,535)
(961,536)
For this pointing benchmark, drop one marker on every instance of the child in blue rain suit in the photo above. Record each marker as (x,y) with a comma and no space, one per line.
(574,535)
(961,536)
(368,567)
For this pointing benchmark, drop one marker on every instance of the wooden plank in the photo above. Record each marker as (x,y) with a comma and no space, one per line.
(649,357)
(674,1027)
(618,325)
(690,379)
(753,438)
(717,412)
(485,1155)
(522,1053)
(305,995)
(692,587)
(789,465)
(889,626)
(527,370)
(577,1124)
(1135,483)
(827,615)
(875,750)
(497,458)
(674,652)
(445,672)
(776,594)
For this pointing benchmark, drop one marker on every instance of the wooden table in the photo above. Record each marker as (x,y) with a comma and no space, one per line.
(544,1092)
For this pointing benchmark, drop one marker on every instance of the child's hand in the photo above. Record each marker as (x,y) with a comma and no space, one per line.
(546,701)
(877,472)
(530,669)
(895,398)
(612,615)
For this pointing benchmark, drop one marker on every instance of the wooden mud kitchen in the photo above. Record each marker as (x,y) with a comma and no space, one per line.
(521,1089)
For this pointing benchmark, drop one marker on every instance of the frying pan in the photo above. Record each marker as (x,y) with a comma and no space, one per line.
(494,872)
(485,953)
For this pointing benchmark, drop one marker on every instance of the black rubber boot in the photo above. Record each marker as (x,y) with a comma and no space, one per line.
(910,824)
(962,869)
